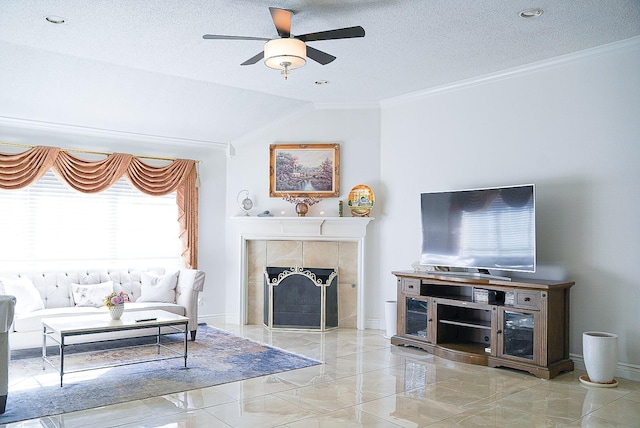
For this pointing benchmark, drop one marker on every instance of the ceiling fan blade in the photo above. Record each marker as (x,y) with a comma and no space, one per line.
(319,56)
(254,59)
(220,37)
(282,20)
(340,33)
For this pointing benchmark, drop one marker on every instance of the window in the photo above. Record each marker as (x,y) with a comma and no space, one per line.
(50,226)
(502,231)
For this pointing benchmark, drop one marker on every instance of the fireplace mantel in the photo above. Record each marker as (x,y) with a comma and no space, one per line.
(340,229)
(326,228)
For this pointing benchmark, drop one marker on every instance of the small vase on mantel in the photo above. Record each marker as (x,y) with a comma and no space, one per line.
(302,209)
(116,311)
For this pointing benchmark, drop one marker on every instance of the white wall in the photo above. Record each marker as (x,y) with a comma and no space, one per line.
(573,129)
(358,133)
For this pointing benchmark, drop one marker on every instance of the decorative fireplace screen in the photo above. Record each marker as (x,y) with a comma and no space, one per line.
(301,298)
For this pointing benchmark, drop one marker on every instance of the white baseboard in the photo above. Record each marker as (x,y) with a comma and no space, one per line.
(374,324)
(219,319)
(623,370)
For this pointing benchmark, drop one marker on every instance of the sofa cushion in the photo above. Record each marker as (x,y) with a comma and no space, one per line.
(158,288)
(28,298)
(91,294)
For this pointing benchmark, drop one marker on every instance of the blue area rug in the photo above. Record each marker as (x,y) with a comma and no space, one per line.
(216,357)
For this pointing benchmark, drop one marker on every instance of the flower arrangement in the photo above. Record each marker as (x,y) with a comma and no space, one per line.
(114,299)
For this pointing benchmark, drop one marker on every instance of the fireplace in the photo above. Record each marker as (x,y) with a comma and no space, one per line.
(301,298)
(302,241)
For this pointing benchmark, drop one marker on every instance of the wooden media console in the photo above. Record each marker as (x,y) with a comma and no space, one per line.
(520,324)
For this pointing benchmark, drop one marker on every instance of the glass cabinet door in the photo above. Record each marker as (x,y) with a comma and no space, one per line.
(518,334)
(417,318)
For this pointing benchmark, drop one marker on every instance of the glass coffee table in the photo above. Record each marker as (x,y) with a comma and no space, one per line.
(60,329)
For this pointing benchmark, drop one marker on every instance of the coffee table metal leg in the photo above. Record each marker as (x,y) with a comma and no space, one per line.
(61,358)
(44,347)
(186,329)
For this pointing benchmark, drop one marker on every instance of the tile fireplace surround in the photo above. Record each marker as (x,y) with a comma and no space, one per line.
(307,242)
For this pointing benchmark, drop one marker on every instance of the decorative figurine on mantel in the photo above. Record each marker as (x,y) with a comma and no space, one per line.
(361,200)
(302,205)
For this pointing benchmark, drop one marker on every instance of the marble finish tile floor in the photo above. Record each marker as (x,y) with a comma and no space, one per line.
(366,382)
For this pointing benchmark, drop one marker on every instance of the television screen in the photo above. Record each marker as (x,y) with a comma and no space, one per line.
(492,228)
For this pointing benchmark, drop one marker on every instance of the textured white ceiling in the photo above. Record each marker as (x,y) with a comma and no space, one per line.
(410,45)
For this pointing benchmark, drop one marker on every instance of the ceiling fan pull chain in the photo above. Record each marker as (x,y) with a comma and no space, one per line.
(285,69)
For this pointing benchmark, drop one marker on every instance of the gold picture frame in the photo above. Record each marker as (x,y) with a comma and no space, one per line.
(304,170)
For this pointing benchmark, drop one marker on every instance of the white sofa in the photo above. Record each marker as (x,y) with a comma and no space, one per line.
(55,289)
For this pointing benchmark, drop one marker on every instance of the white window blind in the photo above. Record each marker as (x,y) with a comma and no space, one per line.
(499,231)
(51,226)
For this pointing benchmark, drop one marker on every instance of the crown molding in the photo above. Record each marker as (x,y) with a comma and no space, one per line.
(633,42)
(59,128)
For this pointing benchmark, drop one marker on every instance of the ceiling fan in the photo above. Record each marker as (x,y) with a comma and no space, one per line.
(289,52)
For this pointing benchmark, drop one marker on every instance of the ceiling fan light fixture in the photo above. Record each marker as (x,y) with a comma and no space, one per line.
(285,54)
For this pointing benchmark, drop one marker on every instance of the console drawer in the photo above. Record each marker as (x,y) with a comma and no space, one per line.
(411,286)
(528,299)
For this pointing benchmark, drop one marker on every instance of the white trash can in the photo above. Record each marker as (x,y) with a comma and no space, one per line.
(391,318)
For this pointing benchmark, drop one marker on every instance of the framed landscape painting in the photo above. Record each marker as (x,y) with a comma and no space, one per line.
(304,170)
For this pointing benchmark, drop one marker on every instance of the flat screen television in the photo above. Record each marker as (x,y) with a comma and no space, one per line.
(489,228)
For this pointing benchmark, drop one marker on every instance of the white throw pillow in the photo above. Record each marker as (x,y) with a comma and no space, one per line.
(158,288)
(91,294)
(27,296)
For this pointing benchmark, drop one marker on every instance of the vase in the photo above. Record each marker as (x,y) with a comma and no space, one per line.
(301,209)
(600,352)
(116,311)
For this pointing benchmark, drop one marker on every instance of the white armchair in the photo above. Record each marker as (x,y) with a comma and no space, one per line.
(7,306)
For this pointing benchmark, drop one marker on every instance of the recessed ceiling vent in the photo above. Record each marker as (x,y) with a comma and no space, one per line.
(55,19)
(531,13)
